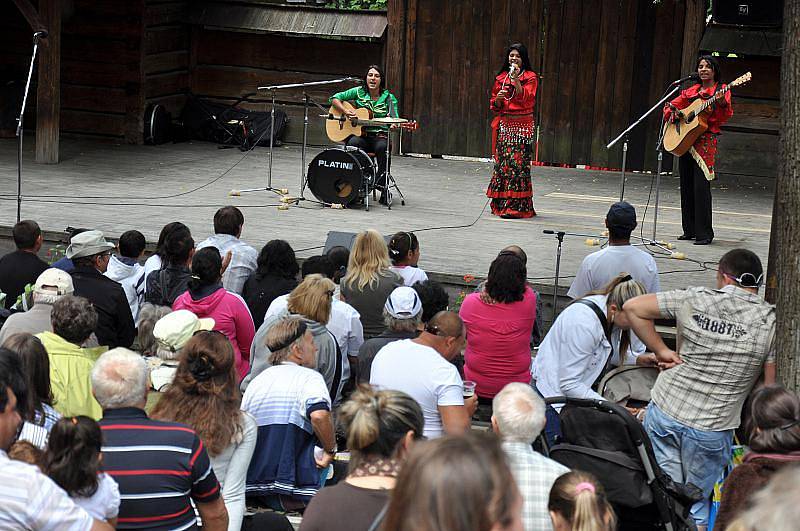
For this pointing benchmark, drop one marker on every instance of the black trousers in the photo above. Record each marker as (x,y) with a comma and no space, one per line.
(695,200)
(373,144)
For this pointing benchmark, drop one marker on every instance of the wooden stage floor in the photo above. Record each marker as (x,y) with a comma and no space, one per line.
(438,192)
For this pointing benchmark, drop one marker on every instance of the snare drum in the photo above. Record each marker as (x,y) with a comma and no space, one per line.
(341,175)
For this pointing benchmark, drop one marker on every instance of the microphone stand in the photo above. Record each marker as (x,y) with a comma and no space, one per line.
(20,120)
(559,235)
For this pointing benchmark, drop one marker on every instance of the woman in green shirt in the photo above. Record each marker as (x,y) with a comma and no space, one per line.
(373,96)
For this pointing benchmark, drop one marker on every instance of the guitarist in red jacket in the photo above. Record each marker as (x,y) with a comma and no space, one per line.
(697,165)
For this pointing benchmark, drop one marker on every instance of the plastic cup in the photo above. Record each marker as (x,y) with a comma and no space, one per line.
(469,388)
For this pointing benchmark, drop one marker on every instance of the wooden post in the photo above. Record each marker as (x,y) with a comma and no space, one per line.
(48,93)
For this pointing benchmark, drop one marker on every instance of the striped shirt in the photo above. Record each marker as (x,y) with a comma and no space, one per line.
(160,467)
(31,500)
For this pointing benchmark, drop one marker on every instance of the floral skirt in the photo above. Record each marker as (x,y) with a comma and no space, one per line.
(510,189)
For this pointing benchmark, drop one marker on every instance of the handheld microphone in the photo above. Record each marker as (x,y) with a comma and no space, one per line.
(41,34)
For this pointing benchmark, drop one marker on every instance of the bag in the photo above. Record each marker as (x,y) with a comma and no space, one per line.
(225,124)
(736,459)
(607,329)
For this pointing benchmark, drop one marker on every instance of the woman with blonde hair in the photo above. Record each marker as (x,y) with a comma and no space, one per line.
(578,503)
(311,300)
(205,396)
(369,280)
(381,428)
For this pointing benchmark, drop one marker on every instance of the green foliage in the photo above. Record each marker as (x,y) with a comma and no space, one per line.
(361,4)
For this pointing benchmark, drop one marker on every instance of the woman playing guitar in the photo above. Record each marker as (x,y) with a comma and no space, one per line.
(697,165)
(372,95)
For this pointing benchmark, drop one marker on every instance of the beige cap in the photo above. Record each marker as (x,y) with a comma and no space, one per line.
(174,329)
(88,243)
(54,281)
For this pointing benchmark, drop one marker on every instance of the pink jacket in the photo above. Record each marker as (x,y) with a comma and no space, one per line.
(231,317)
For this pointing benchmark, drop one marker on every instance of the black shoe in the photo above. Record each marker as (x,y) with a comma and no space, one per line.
(382,200)
(685,237)
(703,242)
(507,216)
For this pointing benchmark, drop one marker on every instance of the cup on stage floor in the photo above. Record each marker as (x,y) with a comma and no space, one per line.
(469,388)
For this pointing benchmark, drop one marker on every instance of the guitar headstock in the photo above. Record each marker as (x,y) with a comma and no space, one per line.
(741,80)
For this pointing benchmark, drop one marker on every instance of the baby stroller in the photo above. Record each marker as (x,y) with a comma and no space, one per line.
(602,438)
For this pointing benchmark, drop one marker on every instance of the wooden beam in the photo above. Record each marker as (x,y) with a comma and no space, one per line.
(30,14)
(48,95)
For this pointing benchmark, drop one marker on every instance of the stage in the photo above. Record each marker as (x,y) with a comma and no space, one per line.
(439,193)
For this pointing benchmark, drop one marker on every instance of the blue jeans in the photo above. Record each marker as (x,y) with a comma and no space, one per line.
(689,455)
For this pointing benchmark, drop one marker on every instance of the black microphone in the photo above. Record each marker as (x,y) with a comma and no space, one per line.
(691,77)
(41,34)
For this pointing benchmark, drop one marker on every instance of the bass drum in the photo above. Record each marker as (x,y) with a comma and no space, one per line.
(341,175)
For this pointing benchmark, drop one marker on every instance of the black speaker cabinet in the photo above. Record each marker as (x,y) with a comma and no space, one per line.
(757,13)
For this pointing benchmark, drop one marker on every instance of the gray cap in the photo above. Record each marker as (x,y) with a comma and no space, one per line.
(88,243)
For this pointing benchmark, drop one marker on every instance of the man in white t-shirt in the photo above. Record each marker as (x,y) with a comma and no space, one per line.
(421,368)
(597,269)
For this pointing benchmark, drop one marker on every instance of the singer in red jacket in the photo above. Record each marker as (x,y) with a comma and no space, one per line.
(697,165)
(513,100)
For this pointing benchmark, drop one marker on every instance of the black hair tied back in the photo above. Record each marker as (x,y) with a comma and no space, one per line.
(201,368)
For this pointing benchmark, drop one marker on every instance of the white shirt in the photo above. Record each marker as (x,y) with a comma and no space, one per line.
(31,500)
(344,323)
(104,503)
(243,260)
(598,268)
(422,373)
(132,279)
(411,275)
(230,467)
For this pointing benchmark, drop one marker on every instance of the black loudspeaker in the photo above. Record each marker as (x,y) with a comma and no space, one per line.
(760,13)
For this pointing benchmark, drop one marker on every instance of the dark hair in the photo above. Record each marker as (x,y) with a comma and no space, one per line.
(73,318)
(168,229)
(517,250)
(433,297)
(277,258)
(318,264)
(72,458)
(775,422)
(35,365)
(401,246)
(27,452)
(523,52)
(132,244)
(743,265)
(339,256)
(618,233)
(381,85)
(178,246)
(206,267)
(87,261)
(506,280)
(228,220)
(713,63)
(11,377)
(25,234)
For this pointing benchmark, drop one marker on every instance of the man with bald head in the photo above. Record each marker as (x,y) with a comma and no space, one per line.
(421,368)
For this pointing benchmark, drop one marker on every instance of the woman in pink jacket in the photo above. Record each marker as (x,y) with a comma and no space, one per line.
(207,298)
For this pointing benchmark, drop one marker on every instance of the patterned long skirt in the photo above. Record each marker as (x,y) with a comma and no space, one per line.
(511,189)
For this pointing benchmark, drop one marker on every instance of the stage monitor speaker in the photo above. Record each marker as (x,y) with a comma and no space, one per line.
(758,13)
(344,239)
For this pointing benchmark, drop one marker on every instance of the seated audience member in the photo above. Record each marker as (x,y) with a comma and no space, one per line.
(775,507)
(73,320)
(207,298)
(90,253)
(402,314)
(228,224)
(22,267)
(159,258)
(205,396)
(404,253)
(599,268)
(339,257)
(455,483)
(433,297)
(28,498)
(149,315)
(578,501)
(164,285)
(727,342)
(518,419)
(125,268)
(381,428)
(50,286)
(774,444)
(74,462)
(369,281)
(179,464)
(64,263)
(292,408)
(171,333)
(311,301)
(499,321)
(421,368)
(275,275)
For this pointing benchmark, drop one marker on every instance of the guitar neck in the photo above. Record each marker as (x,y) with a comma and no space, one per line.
(717,95)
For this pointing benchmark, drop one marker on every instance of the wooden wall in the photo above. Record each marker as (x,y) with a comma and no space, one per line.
(166,49)
(601,63)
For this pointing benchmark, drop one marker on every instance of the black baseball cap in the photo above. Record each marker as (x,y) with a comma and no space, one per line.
(621,215)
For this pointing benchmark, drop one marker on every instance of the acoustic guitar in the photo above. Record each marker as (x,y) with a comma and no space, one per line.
(692,122)
(339,127)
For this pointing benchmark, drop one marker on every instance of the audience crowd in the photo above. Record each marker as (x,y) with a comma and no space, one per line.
(215,387)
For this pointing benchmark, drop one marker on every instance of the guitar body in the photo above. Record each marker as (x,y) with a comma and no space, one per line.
(339,127)
(680,136)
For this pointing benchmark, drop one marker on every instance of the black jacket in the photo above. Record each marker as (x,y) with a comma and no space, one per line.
(115,327)
(17,270)
(259,293)
(165,285)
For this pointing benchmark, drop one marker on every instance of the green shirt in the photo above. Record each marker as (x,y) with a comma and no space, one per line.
(360,98)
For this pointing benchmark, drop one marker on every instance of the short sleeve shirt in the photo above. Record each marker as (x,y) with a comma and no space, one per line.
(598,268)
(724,338)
